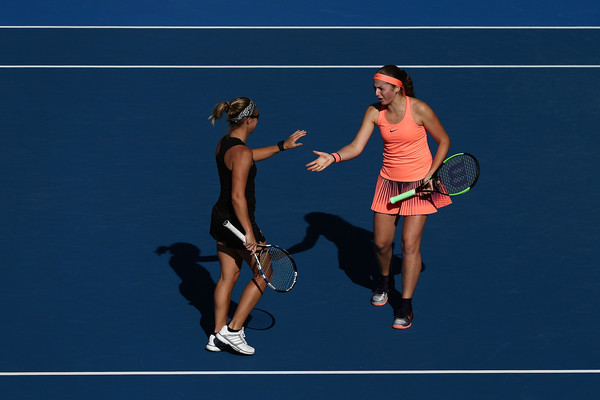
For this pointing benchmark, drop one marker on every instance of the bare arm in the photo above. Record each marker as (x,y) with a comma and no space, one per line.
(290,143)
(239,160)
(352,150)
(424,115)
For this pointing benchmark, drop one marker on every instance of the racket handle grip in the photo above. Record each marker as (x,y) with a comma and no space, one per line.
(403,196)
(234,230)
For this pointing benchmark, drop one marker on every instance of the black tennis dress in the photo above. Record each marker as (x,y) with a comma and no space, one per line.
(223,208)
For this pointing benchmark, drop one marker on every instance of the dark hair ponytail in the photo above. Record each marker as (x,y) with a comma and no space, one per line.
(398,73)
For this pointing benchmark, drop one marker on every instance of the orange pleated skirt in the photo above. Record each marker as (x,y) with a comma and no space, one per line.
(420,204)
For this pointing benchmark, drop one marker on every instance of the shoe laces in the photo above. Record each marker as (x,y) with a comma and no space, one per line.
(241,337)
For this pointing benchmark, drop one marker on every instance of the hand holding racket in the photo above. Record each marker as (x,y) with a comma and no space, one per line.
(275,264)
(457,175)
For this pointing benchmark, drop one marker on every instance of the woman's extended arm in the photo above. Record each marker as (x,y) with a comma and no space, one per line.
(352,150)
(290,143)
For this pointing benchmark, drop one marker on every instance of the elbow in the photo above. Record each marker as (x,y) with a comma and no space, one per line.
(445,142)
(238,199)
(355,151)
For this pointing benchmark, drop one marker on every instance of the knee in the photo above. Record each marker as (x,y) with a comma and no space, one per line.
(410,247)
(229,277)
(382,245)
(259,282)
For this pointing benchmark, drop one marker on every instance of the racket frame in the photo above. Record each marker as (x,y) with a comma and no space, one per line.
(264,247)
(420,188)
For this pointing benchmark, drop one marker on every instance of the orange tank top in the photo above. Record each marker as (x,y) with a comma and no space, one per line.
(406,154)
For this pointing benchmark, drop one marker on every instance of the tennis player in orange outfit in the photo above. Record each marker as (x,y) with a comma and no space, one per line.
(403,122)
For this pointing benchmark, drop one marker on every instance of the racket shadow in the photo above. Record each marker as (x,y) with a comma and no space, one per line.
(355,247)
(197,287)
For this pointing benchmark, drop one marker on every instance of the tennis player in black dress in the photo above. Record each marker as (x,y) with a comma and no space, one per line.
(237,203)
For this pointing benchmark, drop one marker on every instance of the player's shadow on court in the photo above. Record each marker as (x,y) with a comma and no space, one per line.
(356,255)
(197,287)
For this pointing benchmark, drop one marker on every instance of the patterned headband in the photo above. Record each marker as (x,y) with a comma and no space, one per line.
(246,112)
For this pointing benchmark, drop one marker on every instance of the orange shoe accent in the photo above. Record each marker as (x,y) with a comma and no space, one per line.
(380,304)
(410,318)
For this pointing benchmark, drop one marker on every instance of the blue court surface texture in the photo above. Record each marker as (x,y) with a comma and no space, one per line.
(108,179)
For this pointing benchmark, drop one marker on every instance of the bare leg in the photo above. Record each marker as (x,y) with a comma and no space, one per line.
(384,227)
(231,263)
(250,297)
(412,232)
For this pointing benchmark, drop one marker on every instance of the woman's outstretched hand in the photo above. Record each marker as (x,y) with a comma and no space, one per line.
(292,141)
(324,161)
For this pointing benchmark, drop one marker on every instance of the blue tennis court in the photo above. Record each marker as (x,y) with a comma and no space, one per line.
(109,177)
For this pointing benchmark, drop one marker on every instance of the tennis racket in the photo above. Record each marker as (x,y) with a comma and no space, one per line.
(457,175)
(275,264)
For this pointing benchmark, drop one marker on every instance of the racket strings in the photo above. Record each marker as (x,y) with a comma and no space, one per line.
(458,174)
(278,268)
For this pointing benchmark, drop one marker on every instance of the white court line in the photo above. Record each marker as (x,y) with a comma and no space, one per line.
(302,27)
(375,372)
(297,66)
(290,66)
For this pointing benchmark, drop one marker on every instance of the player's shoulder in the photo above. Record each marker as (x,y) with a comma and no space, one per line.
(372,112)
(419,105)
(375,107)
(241,158)
(241,150)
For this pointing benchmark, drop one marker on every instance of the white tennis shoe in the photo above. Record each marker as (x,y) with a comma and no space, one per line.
(214,344)
(237,340)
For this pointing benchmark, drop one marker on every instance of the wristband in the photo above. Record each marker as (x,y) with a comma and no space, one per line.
(280,145)
(336,157)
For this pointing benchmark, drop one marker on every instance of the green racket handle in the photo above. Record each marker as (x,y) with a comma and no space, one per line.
(403,196)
